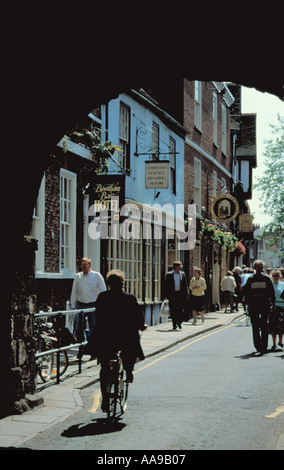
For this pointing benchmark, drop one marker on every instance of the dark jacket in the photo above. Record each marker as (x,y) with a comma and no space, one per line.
(238,290)
(170,284)
(259,291)
(118,321)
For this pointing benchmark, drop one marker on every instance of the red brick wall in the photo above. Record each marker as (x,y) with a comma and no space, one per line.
(205,138)
(206,179)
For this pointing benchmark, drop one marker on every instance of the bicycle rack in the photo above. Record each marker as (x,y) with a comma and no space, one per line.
(60,315)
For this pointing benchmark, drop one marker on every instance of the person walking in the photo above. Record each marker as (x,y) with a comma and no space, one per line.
(238,291)
(118,321)
(177,292)
(228,285)
(259,295)
(247,272)
(87,285)
(197,287)
(276,321)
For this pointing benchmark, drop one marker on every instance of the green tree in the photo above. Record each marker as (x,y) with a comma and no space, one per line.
(270,185)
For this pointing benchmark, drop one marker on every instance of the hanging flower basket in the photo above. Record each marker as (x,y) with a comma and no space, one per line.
(240,249)
(211,234)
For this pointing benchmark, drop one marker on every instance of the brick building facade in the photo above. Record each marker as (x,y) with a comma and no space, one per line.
(203,108)
(208,164)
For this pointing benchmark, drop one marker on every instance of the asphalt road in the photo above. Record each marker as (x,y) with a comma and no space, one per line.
(209,393)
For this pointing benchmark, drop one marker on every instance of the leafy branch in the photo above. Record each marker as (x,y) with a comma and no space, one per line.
(101,151)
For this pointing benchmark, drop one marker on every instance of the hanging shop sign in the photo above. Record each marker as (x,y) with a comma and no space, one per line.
(224,208)
(157,174)
(107,194)
(246,223)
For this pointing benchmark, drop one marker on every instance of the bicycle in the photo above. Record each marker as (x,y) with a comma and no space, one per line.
(116,388)
(47,364)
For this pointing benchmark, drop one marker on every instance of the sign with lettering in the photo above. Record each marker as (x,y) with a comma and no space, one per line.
(157,174)
(107,193)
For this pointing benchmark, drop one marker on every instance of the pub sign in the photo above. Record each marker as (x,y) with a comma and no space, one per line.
(224,208)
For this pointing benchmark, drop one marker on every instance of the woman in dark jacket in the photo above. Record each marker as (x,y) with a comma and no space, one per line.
(118,321)
(238,291)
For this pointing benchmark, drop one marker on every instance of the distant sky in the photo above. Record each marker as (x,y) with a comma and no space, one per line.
(266,107)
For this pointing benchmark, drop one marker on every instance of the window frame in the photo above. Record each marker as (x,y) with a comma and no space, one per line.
(67,221)
(215,117)
(224,129)
(124,135)
(197,184)
(38,228)
(198,105)
(172,147)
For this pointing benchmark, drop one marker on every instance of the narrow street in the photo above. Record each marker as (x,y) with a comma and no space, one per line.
(211,392)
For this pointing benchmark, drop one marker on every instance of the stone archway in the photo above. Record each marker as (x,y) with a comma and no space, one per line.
(40,120)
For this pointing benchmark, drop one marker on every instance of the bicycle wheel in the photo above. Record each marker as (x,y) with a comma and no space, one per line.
(122,391)
(45,367)
(64,362)
(45,363)
(113,397)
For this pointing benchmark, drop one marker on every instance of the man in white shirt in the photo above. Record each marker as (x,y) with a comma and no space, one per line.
(86,287)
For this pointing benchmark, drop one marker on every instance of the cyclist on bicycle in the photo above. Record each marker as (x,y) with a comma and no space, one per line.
(118,321)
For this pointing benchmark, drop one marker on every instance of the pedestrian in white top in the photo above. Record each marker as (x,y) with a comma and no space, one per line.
(86,287)
(228,286)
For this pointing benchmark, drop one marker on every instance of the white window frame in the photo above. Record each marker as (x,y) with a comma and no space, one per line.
(197,184)
(172,147)
(215,117)
(124,133)
(224,188)
(68,206)
(172,251)
(157,265)
(198,104)
(38,228)
(224,129)
(126,255)
(148,263)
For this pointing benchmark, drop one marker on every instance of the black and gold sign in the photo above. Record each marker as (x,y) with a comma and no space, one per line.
(107,194)
(224,208)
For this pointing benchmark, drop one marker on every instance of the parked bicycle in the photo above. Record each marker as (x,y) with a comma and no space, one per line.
(116,388)
(47,362)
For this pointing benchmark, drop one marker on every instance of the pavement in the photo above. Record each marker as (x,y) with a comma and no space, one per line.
(60,401)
